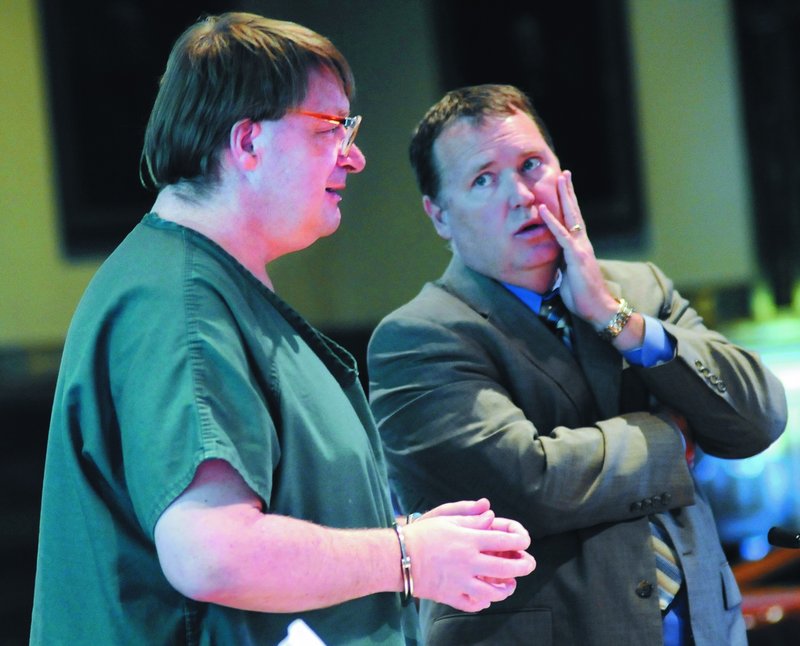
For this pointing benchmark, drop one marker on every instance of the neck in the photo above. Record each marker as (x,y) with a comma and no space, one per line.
(537,281)
(220,221)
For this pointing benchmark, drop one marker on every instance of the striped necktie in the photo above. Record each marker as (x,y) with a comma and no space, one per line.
(668,572)
(555,315)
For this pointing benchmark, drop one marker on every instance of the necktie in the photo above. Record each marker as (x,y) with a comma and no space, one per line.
(554,313)
(668,572)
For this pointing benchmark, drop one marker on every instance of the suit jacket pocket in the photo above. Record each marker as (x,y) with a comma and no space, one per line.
(529,626)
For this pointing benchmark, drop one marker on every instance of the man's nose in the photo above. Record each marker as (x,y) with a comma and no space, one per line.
(519,193)
(354,161)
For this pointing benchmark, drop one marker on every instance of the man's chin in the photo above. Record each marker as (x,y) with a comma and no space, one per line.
(332,223)
(328,223)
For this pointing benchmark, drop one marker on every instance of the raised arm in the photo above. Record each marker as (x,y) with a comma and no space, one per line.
(734,406)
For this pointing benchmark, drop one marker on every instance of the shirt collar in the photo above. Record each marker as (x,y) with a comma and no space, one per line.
(534,299)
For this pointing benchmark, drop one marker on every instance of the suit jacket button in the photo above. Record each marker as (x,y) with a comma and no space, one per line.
(647,503)
(666,497)
(644,589)
(636,506)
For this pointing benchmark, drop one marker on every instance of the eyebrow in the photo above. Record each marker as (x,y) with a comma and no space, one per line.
(524,154)
(473,170)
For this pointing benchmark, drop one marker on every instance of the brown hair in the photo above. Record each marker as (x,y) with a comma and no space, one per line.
(474,102)
(222,69)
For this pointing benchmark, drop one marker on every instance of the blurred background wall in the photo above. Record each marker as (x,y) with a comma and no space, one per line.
(693,160)
(696,187)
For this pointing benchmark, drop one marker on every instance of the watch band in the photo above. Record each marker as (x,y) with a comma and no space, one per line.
(618,321)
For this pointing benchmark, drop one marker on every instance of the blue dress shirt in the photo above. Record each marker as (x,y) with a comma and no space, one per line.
(656,348)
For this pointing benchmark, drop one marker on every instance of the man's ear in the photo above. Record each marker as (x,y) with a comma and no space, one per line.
(438,215)
(242,144)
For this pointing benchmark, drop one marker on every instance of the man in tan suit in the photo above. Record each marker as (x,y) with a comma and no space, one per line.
(584,431)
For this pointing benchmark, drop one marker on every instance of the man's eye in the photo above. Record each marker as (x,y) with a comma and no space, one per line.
(482,180)
(532,163)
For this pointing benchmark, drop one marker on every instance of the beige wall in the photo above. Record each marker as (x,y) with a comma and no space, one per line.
(38,287)
(696,186)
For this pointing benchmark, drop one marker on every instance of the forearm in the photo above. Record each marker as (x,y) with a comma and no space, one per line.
(734,405)
(561,479)
(272,563)
(598,474)
(216,545)
(537,451)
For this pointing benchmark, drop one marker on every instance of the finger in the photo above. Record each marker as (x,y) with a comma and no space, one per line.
(552,222)
(495,580)
(500,541)
(466,603)
(515,554)
(496,567)
(510,526)
(480,521)
(460,508)
(569,201)
(571,190)
(486,592)
(469,603)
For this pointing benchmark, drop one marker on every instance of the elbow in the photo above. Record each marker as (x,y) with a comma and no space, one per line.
(769,428)
(202,580)
(195,585)
(745,440)
(198,570)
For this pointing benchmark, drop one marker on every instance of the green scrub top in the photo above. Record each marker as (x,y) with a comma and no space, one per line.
(177,354)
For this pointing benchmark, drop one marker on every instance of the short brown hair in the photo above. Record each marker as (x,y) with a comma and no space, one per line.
(222,69)
(474,102)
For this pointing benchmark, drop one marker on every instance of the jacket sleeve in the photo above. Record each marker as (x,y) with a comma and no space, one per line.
(734,405)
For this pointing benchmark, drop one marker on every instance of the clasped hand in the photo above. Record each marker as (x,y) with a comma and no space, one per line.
(466,557)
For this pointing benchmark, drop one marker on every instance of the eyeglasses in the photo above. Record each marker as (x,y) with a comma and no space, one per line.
(350,124)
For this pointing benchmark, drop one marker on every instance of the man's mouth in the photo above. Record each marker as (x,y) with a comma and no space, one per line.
(529,227)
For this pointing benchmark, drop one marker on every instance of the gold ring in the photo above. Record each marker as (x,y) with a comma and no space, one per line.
(575,228)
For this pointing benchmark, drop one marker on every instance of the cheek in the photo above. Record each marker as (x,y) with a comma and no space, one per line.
(482,235)
(477,227)
(547,194)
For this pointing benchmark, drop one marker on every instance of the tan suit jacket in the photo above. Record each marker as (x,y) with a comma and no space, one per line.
(475,397)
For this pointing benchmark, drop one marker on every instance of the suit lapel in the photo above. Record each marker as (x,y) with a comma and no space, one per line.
(534,342)
(599,362)
(602,366)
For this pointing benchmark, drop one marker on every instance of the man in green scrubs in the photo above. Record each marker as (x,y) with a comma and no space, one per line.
(213,472)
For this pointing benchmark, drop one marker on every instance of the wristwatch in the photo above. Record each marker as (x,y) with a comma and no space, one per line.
(618,321)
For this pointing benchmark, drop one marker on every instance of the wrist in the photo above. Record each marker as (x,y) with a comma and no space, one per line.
(617,322)
(407,590)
